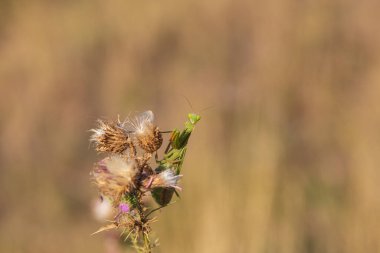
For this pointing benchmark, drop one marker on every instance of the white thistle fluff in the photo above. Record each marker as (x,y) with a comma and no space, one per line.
(117,166)
(170,179)
(140,123)
(97,132)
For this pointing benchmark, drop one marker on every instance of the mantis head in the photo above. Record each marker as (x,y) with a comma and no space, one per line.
(194,118)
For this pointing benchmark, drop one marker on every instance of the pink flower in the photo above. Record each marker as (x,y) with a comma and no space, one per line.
(124,208)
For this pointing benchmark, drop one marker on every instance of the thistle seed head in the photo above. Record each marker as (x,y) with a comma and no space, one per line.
(165,179)
(151,140)
(114,176)
(110,137)
(147,134)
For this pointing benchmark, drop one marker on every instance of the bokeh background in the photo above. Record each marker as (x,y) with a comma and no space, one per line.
(286,156)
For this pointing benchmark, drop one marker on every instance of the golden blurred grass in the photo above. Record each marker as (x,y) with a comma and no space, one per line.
(284,161)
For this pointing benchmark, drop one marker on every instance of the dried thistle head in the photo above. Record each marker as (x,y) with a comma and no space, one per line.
(151,140)
(147,134)
(110,137)
(114,176)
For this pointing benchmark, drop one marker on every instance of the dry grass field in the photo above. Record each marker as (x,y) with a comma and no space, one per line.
(285,159)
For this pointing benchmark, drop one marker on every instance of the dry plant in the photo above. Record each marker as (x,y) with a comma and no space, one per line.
(126,177)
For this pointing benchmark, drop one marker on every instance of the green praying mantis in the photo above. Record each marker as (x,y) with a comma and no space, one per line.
(174,157)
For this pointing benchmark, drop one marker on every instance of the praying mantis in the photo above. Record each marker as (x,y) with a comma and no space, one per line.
(174,156)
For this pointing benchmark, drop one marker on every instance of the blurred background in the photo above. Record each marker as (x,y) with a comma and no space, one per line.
(285,160)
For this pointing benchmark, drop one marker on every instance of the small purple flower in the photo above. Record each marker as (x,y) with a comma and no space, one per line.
(124,208)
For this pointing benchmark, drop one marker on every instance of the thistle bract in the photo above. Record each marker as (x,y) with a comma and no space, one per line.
(147,134)
(110,137)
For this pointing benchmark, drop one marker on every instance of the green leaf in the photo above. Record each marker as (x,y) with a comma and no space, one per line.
(162,196)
